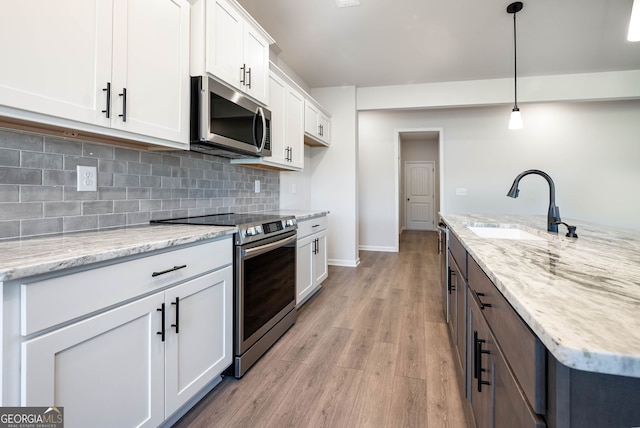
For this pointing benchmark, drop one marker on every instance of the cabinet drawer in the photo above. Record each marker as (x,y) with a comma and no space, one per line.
(523,351)
(313,225)
(51,301)
(459,254)
(511,407)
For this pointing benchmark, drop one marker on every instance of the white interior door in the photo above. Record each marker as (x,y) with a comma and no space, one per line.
(419,195)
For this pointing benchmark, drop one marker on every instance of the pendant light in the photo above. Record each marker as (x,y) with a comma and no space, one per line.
(634,22)
(516,118)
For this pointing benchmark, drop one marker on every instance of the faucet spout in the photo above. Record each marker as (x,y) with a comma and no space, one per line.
(553,213)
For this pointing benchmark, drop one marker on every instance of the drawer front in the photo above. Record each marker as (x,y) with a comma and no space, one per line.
(52,301)
(511,406)
(524,352)
(459,253)
(313,225)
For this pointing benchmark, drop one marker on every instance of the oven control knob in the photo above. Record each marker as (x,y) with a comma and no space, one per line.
(251,231)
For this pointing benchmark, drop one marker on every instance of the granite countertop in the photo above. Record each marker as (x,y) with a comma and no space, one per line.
(581,296)
(301,214)
(32,256)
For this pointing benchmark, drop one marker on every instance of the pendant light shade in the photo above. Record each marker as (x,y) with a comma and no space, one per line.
(516,118)
(634,22)
(515,122)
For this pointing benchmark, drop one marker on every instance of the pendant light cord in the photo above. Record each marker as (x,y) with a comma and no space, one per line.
(515,63)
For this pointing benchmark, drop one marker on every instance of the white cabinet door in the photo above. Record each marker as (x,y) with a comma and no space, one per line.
(311,120)
(224,42)
(256,62)
(294,127)
(316,125)
(304,265)
(151,61)
(320,267)
(56,57)
(324,128)
(107,371)
(199,335)
(277,100)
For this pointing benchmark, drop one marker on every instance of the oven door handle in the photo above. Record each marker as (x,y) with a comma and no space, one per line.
(252,252)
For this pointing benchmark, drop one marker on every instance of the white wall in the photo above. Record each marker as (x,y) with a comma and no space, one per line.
(590,149)
(329,180)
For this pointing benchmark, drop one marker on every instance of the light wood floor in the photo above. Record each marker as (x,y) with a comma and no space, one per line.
(369,350)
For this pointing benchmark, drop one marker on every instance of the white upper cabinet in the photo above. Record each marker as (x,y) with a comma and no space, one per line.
(230,46)
(287,126)
(317,125)
(70,60)
(56,57)
(151,61)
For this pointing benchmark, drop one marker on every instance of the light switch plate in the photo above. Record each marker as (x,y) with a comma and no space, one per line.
(257,186)
(461,191)
(87,178)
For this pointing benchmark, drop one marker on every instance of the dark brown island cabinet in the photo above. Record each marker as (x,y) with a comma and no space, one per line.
(508,377)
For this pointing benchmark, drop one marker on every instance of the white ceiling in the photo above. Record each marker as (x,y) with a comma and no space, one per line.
(387,42)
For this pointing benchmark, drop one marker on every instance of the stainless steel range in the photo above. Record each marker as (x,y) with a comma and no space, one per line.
(264,280)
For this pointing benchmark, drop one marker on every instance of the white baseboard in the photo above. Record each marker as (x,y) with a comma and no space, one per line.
(376,248)
(345,263)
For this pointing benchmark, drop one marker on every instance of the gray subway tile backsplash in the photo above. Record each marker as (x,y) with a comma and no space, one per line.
(38,193)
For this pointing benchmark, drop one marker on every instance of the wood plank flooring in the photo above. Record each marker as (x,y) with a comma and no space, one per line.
(371,349)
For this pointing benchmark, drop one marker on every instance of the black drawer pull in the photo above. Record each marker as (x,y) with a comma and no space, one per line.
(477,359)
(107,111)
(452,286)
(124,104)
(161,332)
(177,324)
(168,270)
(482,305)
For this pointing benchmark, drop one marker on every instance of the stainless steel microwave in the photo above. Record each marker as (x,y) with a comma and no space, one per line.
(224,122)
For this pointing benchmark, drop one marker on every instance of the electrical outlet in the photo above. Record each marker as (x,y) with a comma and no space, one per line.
(87,178)
(257,186)
(293,188)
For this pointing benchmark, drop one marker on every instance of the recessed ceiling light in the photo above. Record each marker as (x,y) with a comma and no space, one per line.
(347,3)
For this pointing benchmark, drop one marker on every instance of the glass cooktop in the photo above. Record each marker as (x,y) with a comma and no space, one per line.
(228,219)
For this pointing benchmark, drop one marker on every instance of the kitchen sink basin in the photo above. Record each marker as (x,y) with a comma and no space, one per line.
(502,232)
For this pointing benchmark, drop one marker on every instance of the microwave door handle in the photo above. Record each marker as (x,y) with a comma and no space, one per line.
(260,113)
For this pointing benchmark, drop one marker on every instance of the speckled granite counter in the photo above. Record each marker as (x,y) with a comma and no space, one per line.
(581,297)
(301,214)
(33,256)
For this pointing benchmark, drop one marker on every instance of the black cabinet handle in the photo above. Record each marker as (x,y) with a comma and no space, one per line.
(476,362)
(482,305)
(154,274)
(477,359)
(249,74)
(107,110)
(161,332)
(124,104)
(452,274)
(243,69)
(177,324)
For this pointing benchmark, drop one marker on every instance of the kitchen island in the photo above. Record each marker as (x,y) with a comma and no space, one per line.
(579,298)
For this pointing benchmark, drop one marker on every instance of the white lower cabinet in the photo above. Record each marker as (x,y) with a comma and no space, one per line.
(135,364)
(312,266)
(106,371)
